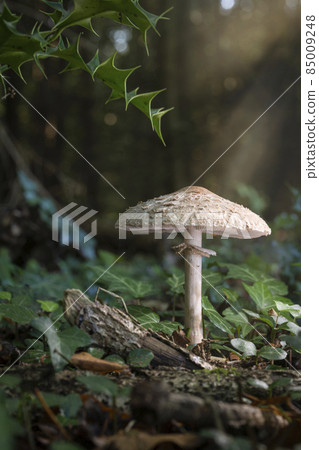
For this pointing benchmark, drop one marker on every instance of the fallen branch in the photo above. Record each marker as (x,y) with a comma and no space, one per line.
(154,402)
(119,333)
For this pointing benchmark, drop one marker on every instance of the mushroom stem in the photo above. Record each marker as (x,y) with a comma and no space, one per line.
(193,287)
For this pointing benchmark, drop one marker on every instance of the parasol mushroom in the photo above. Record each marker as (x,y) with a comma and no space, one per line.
(192,211)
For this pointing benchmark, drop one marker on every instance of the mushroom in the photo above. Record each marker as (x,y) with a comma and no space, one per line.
(192,211)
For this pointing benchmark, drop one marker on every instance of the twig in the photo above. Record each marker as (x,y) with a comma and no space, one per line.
(51,414)
(113,295)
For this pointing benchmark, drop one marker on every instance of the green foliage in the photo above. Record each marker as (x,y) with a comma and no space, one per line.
(127,285)
(245,305)
(149,319)
(18,314)
(102,385)
(63,342)
(140,357)
(214,316)
(17,48)
(247,348)
(272,353)
(48,306)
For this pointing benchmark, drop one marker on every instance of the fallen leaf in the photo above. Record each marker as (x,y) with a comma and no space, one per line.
(180,338)
(85,361)
(135,440)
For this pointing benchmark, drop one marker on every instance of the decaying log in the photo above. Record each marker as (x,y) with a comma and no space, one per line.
(153,402)
(119,333)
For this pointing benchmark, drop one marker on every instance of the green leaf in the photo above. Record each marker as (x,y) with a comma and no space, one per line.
(259,384)
(71,338)
(4,295)
(65,341)
(48,306)
(243,272)
(281,382)
(69,404)
(126,12)
(276,287)
(99,384)
(247,348)
(126,285)
(176,283)
(18,314)
(251,313)
(293,341)
(140,357)
(291,326)
(214,316)
(11,381)
(246,273)
(146,316)
(231,295)
(64,445)
(261,295)
(18,48)
(45,326)
(238,318)
(115,358)
(210,279)
(272,353)
(167,327)
(294,310)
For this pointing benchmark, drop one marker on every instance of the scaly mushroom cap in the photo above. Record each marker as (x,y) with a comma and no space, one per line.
(197,207)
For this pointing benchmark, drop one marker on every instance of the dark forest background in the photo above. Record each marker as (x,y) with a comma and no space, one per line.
(222,64)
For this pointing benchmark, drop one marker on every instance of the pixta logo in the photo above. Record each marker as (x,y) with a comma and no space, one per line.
(66,226)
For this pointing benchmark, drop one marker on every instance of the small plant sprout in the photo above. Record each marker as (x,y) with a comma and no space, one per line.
(192,211)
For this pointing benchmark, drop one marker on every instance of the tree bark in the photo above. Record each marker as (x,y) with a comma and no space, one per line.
(119,333)
(154,402)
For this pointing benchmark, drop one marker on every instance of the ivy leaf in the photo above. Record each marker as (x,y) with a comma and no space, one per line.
(72,338)
(239,319)
(248,274)
(45,325)
(140,357)
(48,306)
(242,271)
(294,310)
(167,327)
(19,314)
(176,283)
(210,279)
(99,384)
(293,341)
(126,285)
(261,295)
(214,316)
(247,348)
(145,316)
(272,353)
(65,341)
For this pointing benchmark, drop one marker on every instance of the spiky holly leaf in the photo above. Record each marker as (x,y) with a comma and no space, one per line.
(18,48)
(127,12)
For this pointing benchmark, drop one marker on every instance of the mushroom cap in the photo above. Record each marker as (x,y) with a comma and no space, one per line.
(196,207)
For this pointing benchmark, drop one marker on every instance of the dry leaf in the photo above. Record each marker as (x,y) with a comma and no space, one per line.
(85,361)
